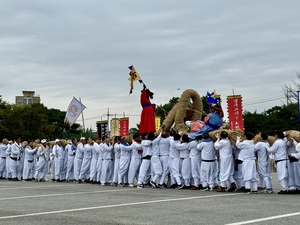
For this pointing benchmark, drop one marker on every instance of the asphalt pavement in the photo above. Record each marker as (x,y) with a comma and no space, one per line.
(70,203)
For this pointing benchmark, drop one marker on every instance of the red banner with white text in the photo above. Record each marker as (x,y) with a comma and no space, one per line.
(235,112)
(124,126)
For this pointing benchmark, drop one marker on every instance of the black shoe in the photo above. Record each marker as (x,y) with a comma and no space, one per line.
(79,181)
(174,186)
(254,192)
(15,179)
(181,186)
(292,192)
(153,184)
(246,190)
(282,192)
(242,189)
(53,180)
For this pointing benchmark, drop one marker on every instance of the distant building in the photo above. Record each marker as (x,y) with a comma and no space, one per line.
(28,98)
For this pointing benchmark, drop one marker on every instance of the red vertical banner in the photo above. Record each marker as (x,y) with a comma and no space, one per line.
(235,112)
(124,126)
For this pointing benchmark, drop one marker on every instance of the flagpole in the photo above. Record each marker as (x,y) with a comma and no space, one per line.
(82,117)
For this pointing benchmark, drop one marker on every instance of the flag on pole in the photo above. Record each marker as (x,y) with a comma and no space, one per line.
(134,76)
(74,110)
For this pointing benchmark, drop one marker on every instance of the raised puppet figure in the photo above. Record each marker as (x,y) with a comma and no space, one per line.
(212,121)
(147,123)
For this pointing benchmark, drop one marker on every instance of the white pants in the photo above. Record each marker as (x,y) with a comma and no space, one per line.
(208,174)
(264,174)
(27,169)
(195,169)
(77,167)
(99,168)
(123,171)
(33,170)
(156,168)
(171,178)
(144,171)
(106,163)
(238,175)
(134,169)
(40,168)
(70,168)
(116,170)
(226,172)
(176,170)
(282,174)
(14,168)
(46,169)
(86,163)
(64,169)
(52,169)
(8,170)
(164,160)
(58,167)
(93,169)
(293,180)
(249,174)
(186,171)
(2,167)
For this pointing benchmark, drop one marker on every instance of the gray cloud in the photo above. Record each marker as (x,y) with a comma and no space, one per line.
(63,49)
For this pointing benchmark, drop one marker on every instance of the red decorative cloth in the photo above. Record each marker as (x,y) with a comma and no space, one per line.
(147,123)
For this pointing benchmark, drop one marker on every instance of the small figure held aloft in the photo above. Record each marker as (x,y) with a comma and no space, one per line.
(212,121)
(147,123)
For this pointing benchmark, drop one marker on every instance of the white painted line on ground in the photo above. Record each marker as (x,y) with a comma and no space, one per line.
(31,187)
(265,219)
(64,194)
(117,205)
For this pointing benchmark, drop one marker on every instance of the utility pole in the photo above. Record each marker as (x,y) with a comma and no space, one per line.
(108,119)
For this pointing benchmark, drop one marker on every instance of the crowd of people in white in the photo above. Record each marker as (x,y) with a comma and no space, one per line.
(165,160)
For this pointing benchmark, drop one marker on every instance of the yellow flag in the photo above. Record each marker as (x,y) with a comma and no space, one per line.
(134,76)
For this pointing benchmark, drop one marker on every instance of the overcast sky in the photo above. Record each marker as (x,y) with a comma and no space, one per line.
(61,49)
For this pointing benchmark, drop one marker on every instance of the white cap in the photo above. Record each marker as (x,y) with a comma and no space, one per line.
(56,140)
(188,123)
(82,138)
(43,141)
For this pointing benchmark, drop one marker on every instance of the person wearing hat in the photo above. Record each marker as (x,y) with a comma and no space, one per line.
(78,159)
(280,156)
(208,161)
(41,161)
(213,121)
(58,160)
(136,160)
(28,162)
(106,160)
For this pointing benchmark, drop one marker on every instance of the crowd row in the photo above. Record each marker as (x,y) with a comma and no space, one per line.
(162,161)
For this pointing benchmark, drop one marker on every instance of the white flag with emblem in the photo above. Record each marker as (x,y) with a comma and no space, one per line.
(74,110)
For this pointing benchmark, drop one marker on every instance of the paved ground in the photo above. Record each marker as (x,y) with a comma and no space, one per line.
(65,203)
